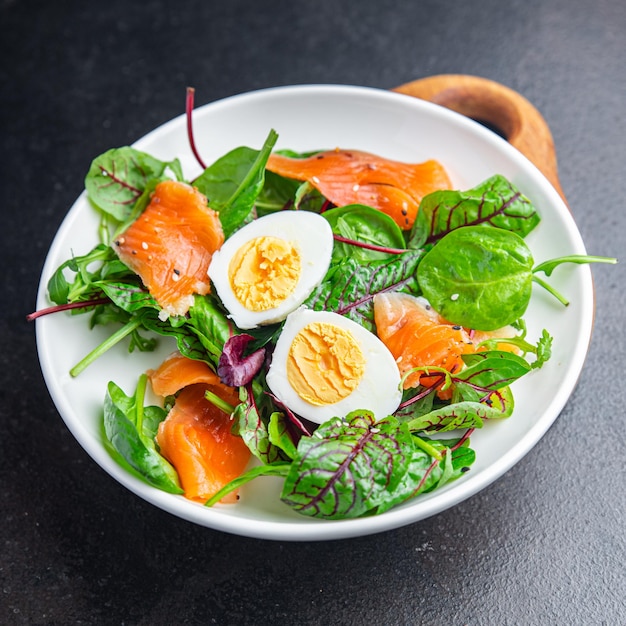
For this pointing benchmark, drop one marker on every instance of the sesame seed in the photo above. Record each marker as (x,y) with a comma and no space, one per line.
(454,297)
(316,180)
(355,187)
(144,245)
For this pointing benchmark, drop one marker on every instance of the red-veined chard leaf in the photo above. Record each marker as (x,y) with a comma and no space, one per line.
(349,287)
(426,473)
(463,414)
(252,417)
(347,468)
(118,178)
(130,297)
(492,369)
(495,202)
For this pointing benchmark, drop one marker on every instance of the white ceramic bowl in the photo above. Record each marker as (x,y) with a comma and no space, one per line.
(321,117)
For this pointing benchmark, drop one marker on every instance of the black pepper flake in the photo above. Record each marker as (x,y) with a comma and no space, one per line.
(456,328)
(405,211)
(134,252)
(465,469)
(177,272)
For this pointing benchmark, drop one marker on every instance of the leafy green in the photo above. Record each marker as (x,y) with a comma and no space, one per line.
(350,468)
(118,178)
(131,327)
(131,428)
(481,277)
(280,434)
(426,473)
(252,418)
(361,223)
(99,264)
(278,193)
(350,286)
(492,369)
(347,468)
(478,277)
(209,323)
(495,202)
(461,414)
(130,297)
(234,181)
(542,350)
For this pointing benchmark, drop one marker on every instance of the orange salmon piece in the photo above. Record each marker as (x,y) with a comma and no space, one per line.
(178,371)
(170,245)
(196,436)
(356,177)
(417,336)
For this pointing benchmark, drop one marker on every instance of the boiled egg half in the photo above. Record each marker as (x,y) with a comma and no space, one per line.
(325,365)
(268,268)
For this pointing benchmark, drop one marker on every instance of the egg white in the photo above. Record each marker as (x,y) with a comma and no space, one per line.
(378,391)
(313,238)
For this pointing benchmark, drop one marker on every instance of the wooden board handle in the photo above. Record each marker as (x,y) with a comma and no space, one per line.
(497,106)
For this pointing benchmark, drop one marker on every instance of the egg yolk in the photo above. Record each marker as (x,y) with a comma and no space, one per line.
(325,363)
(264,272)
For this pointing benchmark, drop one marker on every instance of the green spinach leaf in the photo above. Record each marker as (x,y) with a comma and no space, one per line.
(478,277)
(130,428)
(234,181)
(361,223)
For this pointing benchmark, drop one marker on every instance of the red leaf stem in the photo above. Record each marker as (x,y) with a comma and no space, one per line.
(369,246)
(66,307)
(188,110)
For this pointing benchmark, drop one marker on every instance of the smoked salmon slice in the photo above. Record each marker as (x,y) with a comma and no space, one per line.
(417,336)
(356,177)
(196,437)
(170,245)
(178,371)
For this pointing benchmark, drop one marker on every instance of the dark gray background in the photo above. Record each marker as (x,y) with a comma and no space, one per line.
(545,544)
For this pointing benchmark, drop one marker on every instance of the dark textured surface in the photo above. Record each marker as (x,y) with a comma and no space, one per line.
(545,544)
